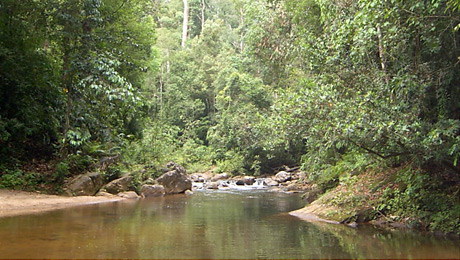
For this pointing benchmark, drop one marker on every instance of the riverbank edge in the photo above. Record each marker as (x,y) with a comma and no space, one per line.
(357,199)
(17,203)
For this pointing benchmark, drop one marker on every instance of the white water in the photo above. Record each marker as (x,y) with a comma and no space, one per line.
(231,184)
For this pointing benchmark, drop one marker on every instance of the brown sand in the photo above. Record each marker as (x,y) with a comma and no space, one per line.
(14,203)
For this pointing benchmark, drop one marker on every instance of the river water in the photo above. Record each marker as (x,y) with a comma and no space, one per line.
(209,224)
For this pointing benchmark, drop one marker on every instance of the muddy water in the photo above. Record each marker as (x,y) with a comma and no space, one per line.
(239,224)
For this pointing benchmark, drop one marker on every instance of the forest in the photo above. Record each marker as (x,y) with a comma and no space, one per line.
(339,88)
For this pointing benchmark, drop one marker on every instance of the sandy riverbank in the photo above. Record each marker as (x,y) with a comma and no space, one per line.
(13,203)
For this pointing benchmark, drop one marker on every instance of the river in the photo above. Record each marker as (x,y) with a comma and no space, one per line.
(208,224)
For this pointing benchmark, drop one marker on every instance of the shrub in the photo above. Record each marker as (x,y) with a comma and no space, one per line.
(113,172)
(233,163)
(17,179)
(62,171)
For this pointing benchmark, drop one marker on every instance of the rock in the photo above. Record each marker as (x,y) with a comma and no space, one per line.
(172,166)
(271,182)
(197,185)
(212,185)
(119,185)
(197,177)
(104,194)
(85,184)
(188,192)
(298,175)
(244,180)
(249,180)
(128,195)
(282,176)
(222,183)
(152,191)
(221,176)
(293,187)
(175,181)
(353,224)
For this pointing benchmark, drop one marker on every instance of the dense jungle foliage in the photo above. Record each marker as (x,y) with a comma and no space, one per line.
(241,86)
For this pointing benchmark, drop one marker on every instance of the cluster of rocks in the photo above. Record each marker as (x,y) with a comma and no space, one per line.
(174,180)
(290,181)
(221,180)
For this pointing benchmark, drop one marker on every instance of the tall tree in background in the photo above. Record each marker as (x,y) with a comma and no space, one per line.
(185,23)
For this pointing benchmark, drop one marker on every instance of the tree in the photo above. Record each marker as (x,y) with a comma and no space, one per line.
(81,52)
(185,23)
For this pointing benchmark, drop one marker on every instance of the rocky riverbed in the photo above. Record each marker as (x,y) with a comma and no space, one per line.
(89,188)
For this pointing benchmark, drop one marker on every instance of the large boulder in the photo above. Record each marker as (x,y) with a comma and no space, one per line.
(152,191)
(175,181)
(283,176)
(85,185)
(119,185)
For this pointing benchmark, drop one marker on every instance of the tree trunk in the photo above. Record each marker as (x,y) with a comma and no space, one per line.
(203,6)
(185,23)
(242,30)
(67,88)
(382,55)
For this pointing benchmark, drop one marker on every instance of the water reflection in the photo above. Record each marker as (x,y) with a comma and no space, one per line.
(244,224)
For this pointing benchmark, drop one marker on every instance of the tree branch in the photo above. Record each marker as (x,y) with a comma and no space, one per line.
(384,157)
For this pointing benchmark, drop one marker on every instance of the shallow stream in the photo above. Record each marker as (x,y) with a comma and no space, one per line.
(208,224)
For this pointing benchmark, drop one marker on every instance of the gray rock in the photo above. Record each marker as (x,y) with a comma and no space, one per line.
(212,185)
(221,176)
(271,182)
(172,166)
(249,180)
(298,175)
(128,195)
(152,191)
(175,182)
(296,187)
(197,177)
(104,194)
(85,184)
(119,185)
(222,183)
(188,192)
(244,180)
(282,176)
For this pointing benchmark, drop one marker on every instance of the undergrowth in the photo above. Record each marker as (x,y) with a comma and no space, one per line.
(422,200)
